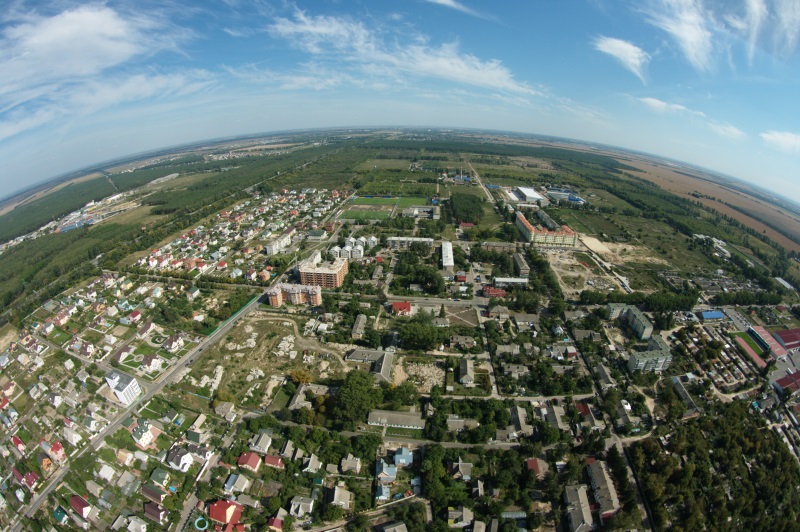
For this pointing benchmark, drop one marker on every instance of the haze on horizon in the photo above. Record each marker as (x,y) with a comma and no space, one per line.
(709,82)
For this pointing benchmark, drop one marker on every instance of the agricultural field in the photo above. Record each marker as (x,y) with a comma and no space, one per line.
(684,185)
(383,164)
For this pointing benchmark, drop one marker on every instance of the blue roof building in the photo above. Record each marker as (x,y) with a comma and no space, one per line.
(710,315)
(403,457)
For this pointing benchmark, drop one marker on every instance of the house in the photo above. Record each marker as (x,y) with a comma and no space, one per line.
(339,496)
(225,512)
(350,463)
(236,483)
(403,457)
(385,473)
(477,489)
(462,342)
(174,343)
(155,512)
(401,308)
(382,493)
(260,443)
(274,461)
(395,526)
(153,493)
(275,524)
(160,477)
(146,328)
(287,451)
(539,467)
(193,293)
(459,517)
(57,452)
(499,312)
(461,470)
(80,506)
(466,373)
(300,506)
(180,459)
(249,461)
(135,524)
(311,464)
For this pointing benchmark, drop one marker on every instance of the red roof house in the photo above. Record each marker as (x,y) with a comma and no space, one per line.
(249,461)
(81,507)
(401,308)
(274,461)
(225,512)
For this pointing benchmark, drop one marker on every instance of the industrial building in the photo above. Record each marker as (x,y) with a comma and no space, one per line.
(297,294)
(447,256)
(530,195)
(788,339)
(313,272)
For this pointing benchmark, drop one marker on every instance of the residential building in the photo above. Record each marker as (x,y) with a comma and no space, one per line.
(563,237)
(510,282)
(339,496)
(578,511)
(521,265)
(313,272)
(459,517)
(447,256)
(124,386)
(460,470)
(466,373)
(605,494)
(657,357)
(350,463)
(296,294)
(225,512)
(401,308)
(300,506)
(404,242)
(385,473)
(358,327)
(403,457)
(260,443)
(250,461)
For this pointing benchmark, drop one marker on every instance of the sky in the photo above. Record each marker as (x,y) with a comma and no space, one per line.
(714,83)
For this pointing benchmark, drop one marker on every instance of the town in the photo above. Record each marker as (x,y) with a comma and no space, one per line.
(334,358)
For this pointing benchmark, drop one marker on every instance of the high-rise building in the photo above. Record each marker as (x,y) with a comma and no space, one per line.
(329,275)
(124,386)
(297,294)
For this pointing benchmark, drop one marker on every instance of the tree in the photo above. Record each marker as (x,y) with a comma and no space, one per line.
(301,376)
(357,396)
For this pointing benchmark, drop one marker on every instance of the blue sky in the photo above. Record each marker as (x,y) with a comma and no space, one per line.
(713,83)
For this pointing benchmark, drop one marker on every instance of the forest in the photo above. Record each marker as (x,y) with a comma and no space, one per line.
(722,471)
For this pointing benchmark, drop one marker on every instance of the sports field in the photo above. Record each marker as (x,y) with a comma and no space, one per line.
(399,201)
(364,215)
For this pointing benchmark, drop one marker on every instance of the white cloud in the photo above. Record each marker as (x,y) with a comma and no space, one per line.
(350,45)
(726,130)
(782,140)
(720,128)
(788,27)
(631,56)
(688,24)
(665,107)
(458,6)
(75,62)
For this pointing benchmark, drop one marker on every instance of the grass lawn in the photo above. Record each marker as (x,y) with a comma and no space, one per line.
(410,433)
(364,215)
(281,400)
(752,343)
(411,200)
(374,201)
(145,349)
(58,337)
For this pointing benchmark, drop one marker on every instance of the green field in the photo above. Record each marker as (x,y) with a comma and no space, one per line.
(374,201)
(752,343)
(412,200)
(365,215)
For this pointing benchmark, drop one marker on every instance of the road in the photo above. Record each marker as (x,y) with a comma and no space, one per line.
(480,183)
